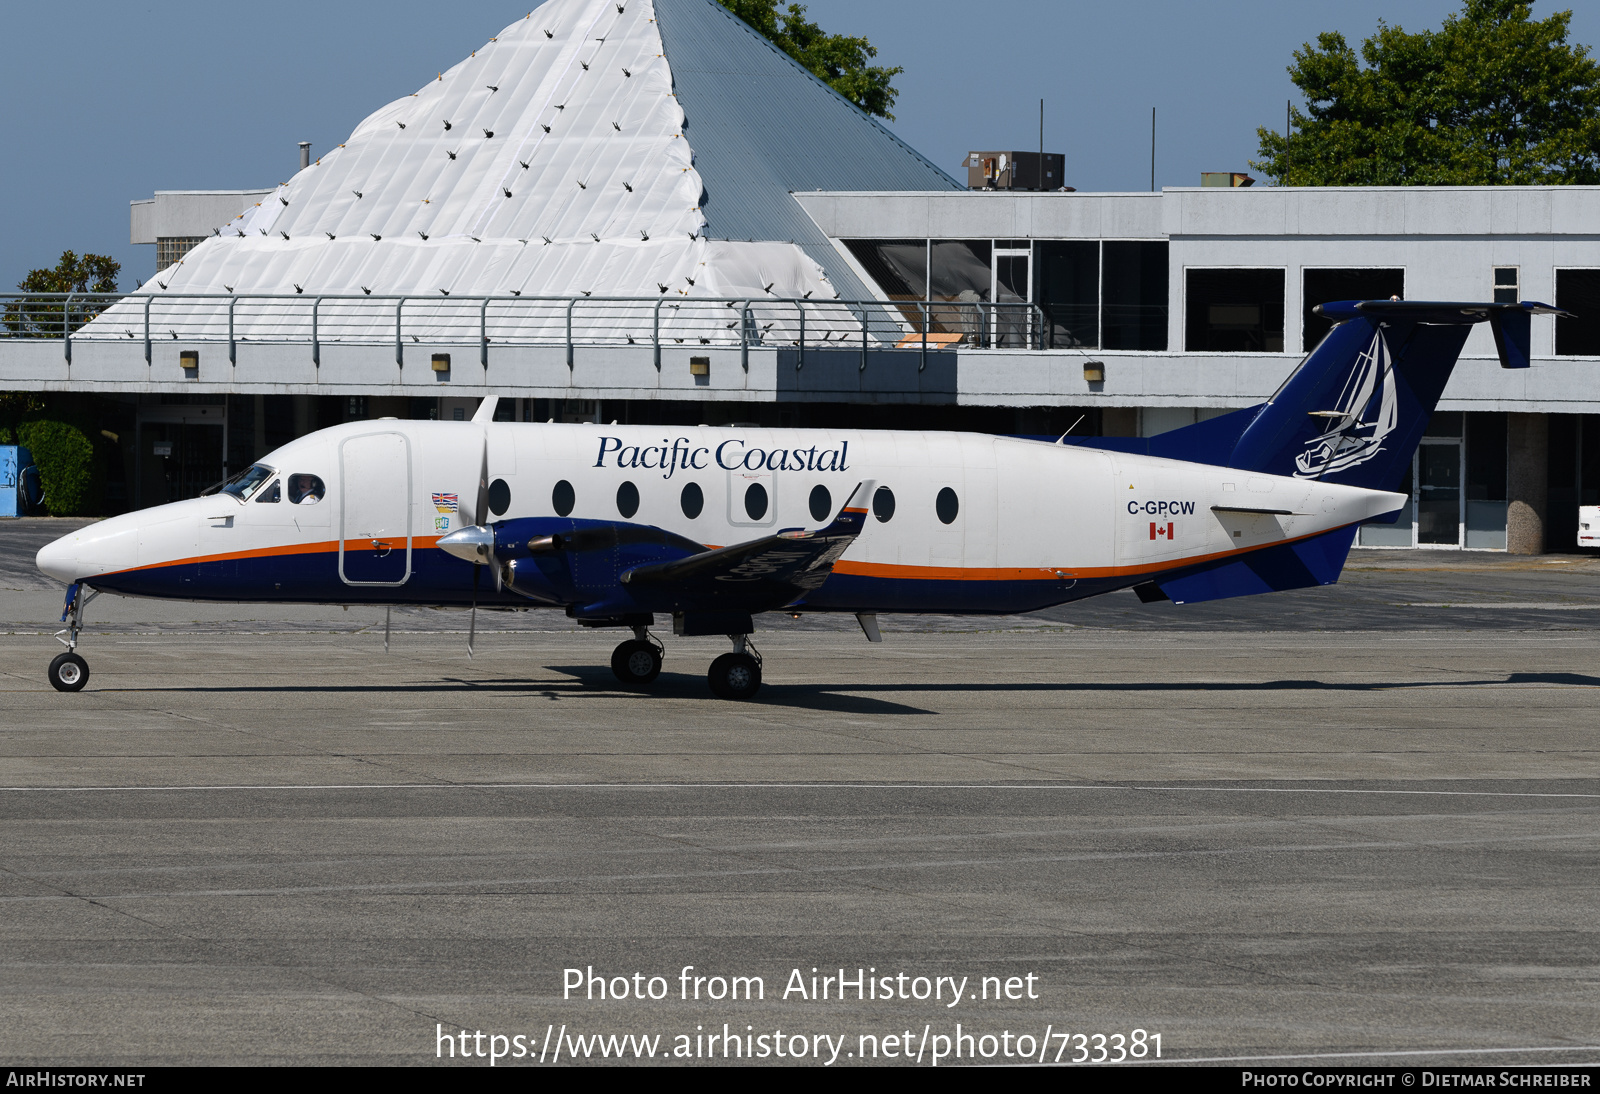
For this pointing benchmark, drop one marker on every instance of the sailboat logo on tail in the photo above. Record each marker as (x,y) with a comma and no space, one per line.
(1363,417)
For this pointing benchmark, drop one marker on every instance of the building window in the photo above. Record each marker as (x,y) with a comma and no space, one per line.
(960,275)
(1326,286)
(1507,285)
(170,249)
(1133,312)
(899,266)
(1578,291)
(1233,311)
(1067,290)
(355,407)
(1486,481)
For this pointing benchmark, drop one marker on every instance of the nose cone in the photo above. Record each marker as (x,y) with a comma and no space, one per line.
(100,548)
(59,559)
(474,544)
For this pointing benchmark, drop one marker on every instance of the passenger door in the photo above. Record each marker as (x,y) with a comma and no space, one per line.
(375,510)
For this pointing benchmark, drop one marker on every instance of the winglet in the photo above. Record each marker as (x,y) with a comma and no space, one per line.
(850,521)
(485,411)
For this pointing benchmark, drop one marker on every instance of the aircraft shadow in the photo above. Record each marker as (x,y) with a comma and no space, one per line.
(848,698)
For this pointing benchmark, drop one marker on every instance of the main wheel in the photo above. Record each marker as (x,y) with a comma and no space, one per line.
(735,676)
(636,663)
(69,672)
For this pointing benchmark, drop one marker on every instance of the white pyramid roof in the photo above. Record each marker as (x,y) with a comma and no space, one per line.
(552,162)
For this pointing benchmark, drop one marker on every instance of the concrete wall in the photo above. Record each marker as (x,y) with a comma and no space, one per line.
(178,213)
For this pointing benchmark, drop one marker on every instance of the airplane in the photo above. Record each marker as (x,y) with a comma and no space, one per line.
(615,525)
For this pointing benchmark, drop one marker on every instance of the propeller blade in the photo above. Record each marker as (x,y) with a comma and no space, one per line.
(472,618)
(481,512)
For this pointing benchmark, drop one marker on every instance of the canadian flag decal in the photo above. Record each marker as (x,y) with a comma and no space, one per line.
(1161,531)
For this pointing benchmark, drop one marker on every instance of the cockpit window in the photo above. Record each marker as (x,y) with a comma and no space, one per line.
(306,489)
(270,495)
(248,481)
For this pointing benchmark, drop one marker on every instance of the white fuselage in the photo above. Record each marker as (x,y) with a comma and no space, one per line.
(1024,510)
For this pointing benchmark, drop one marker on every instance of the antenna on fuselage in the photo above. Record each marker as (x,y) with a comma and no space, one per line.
(1070,428)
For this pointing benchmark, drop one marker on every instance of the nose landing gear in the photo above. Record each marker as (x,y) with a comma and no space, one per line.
(69,672)
(637,663)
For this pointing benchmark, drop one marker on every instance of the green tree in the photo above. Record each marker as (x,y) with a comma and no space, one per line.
(1493,97)
(836,59)
(38,317)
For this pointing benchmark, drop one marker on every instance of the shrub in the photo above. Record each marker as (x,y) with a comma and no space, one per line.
(66,465)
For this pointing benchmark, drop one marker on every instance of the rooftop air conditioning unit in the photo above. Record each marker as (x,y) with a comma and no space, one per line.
(1016,171)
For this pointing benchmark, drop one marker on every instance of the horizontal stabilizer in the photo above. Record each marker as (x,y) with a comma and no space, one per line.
(1248,509)
(1299,565)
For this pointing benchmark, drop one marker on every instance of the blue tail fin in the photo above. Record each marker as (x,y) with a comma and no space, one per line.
(1355,409)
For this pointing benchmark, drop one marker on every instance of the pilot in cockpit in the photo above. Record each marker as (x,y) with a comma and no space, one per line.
(305,489)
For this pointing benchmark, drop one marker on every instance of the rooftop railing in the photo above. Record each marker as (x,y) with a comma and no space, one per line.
(316,320)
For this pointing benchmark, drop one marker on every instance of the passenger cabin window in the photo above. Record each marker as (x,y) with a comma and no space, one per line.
(947,505)
(821,503)
(499,497)
(693,500)
(627,500)
(563,498)
(305,489)
(1233,311)
(271,494)
(883,504)
(248,481)
(755,501)
(1326,286)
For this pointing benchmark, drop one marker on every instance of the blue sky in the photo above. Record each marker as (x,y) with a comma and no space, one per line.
(111,101)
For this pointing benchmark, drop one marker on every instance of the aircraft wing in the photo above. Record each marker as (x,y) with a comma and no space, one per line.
(760,575)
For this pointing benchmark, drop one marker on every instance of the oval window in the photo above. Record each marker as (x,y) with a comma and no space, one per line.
(306,489)
(883,504)
(947,505)
(755,501)
(499,497)
(821,503)
(627,500)
(562,498)
(692,500)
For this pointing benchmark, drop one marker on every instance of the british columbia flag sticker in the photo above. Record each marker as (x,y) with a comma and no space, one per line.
(447,503)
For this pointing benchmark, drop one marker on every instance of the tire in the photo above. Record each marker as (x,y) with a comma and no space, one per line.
(69,672)
(735,676)
(636,663)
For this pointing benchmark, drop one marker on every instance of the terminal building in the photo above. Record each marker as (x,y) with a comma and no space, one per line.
(646,213)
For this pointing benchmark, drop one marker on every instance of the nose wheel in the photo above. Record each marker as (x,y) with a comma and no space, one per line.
(637,663)
(68,672)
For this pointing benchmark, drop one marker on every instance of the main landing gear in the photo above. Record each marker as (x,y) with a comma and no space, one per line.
(69,672)
(637,663)
(737,675)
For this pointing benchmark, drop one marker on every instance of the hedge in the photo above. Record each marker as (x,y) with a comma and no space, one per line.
(65,458)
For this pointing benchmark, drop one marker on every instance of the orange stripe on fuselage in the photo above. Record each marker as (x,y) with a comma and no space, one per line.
(321,547)
(1043,573)
(843,566)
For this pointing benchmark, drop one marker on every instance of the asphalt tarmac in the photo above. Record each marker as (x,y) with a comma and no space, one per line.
(1352,825)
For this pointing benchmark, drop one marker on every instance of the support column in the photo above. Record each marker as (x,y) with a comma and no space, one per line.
(258,442)
(302,415)
(1527,482)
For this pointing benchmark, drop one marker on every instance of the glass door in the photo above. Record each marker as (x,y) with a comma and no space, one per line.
(1011,290)
(1438,480)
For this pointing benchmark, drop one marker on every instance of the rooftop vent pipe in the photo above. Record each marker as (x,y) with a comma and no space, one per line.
(305,155)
